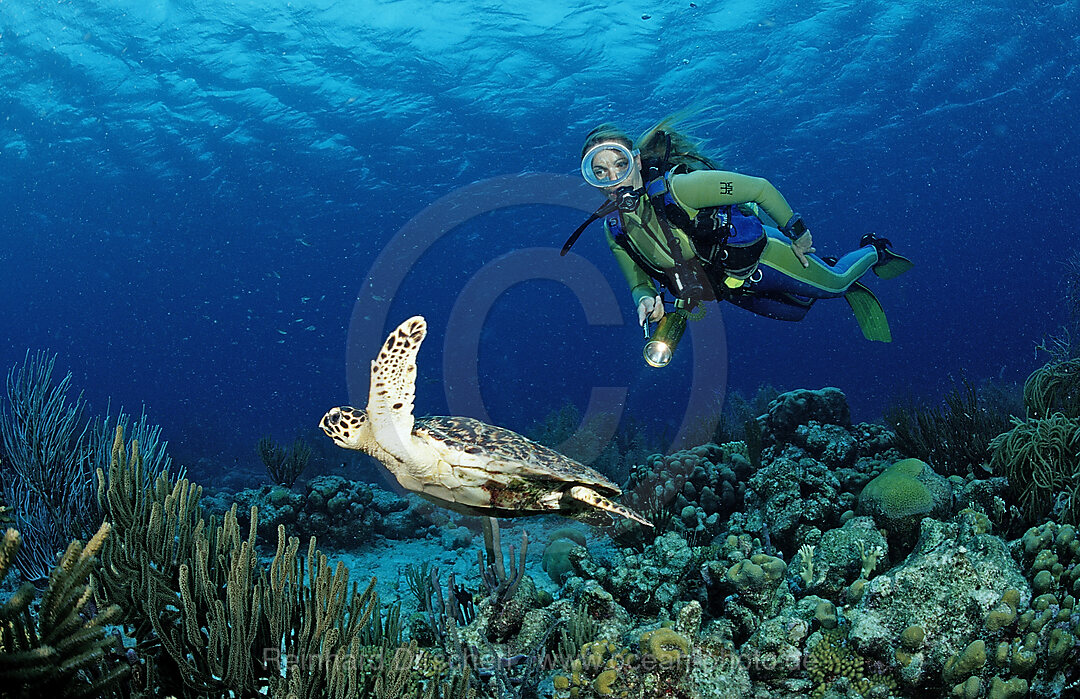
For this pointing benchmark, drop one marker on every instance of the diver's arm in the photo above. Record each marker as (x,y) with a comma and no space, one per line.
(704,188)
(641,284)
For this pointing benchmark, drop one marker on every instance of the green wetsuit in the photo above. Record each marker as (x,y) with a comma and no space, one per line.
(696,190)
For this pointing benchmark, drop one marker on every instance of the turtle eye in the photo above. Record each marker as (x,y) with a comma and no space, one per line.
(334,417)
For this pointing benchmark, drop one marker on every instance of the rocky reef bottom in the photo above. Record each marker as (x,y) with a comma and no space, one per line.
(816,560)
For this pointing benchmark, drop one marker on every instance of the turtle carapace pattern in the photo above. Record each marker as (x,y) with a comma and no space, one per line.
(461,463)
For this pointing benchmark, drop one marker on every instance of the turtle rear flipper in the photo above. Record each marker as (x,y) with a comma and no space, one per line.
(591,497)
(393,388)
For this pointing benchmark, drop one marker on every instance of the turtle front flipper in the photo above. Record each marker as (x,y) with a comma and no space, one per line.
(591,497)
(393,388)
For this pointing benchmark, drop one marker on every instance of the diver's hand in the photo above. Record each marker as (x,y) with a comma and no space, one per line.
(802,246)
(651,308)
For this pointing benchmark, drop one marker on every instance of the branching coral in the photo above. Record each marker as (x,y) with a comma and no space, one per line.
(953,437)
(1041,459)
(220,620)
(832,661)
(868,558)
(580,629)
(284,465)
(1054,388)
(62,650)
(46,477)
(501,582)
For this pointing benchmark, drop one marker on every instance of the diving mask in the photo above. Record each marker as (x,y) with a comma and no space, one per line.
(608,164)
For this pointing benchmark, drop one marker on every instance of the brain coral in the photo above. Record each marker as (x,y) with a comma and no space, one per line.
(903,494)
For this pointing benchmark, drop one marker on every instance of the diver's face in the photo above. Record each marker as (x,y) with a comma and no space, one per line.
(612,165)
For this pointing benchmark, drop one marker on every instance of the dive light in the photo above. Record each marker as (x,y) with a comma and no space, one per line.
(661,346)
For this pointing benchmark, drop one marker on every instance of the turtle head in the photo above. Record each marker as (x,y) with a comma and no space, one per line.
(347,426)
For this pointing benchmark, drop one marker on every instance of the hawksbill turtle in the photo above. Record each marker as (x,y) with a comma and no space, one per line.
(461,463)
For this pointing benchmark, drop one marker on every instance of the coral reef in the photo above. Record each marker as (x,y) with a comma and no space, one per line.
(812,471)
(652,581)
(556,559)
(903,494)
(793,409)
(342,513)
(819,562)
(284,465)
(669,662)
(205,610)
(954,438)
(690,491)
(947,586)
(1041,459)
(62,649)
(834,663)
(50,456)
(844,556)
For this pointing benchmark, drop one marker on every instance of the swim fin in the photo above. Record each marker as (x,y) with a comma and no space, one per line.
(868,312)
(891,265)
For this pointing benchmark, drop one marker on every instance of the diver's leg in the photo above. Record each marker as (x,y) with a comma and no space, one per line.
(855,262)
(780,271)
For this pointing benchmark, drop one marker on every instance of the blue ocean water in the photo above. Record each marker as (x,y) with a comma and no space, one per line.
(218,210)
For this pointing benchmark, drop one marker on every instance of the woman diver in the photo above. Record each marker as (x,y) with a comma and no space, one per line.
(673,218)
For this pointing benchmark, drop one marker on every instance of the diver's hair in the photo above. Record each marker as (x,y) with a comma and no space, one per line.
(608,133)
(684,150)
(653,144)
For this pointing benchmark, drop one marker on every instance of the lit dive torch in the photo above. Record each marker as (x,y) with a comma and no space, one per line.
(660,346)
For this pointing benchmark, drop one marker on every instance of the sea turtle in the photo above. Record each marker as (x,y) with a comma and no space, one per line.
(460,463)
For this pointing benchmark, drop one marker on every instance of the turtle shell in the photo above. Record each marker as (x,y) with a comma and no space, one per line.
(505,455)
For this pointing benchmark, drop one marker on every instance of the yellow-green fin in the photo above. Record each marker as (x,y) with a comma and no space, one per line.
(869,314)
(892,266)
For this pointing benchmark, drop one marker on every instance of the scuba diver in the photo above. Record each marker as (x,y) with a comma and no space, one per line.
(665,197)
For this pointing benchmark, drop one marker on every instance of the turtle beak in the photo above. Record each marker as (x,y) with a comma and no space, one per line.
(330,424)
(343,424)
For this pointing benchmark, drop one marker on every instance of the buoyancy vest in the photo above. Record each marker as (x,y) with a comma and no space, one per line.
(727,240)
